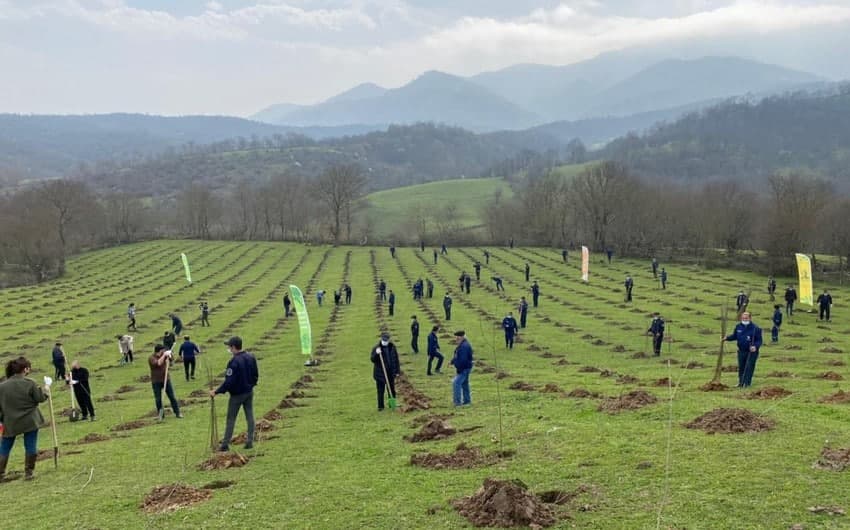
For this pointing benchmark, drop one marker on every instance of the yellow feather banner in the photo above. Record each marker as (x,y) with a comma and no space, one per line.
(804,269)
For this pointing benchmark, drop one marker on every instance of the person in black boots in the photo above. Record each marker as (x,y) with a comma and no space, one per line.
(434,350)
(385,367)
(19,400)
(414,334)
(447,306)
(188,351)
(79,380)
(656,328)
(391,302)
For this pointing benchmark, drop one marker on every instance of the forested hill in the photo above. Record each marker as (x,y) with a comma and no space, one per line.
(806,132)
(399,156)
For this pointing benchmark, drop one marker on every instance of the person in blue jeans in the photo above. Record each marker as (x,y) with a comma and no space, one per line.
(748,336)
(462,361)
(19,414)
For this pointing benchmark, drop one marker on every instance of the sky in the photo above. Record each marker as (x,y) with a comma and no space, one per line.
(234,57)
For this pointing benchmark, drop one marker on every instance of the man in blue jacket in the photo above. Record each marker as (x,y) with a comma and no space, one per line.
(447,306)
(176,324)
(385,367)
(748,337)
(462,361)
(510,326)
(434,350)
(535,292)
(239,380)
(391,301)
(777,321)
(825,304)
(188,351)
(414,334)
(523,312)
(657,330)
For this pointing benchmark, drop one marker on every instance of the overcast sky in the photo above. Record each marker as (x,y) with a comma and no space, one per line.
(237,56)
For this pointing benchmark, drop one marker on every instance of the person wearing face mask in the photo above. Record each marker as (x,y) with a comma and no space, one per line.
(510,326)
(385,367)
(749,339)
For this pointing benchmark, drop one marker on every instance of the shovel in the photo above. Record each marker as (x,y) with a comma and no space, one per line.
(391,401)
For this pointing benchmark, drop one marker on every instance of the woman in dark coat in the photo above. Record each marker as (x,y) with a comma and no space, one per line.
(19,414)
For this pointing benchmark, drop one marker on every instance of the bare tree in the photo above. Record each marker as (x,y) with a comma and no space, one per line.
(599,194)
(70,203)
(198,208)
(797,203)
(337,188)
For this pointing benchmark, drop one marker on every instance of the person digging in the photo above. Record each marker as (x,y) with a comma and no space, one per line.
(385,368)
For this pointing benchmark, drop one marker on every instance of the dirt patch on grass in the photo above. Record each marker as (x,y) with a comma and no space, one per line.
(551,388)
(47,454)
(124,389)
(831,349)
(830,376)
(829,510)
(562,362)
(218,484)
(273,415)
(630,401)
(782,374)
(412,399)
(833,459)
(693,364)
(502,375)
(562,498)
(93,437)
(109,397)
(795,334)
(627,380)
(199,393)
(619,348)
(264,425)
(463,457)
(523,386)
(793,347)
(664,381)
(713,386)
(839,397)
(171,497)
(589,370)
(640,355)
(534,347)
(433,430)
(505,504)
(599,342)
(288,404)
(223,461)
(730,368)
(422,420)
(144,379)
(769,392)
(730,421)
(129,426)
(835,362)
(582,393)
(786,359)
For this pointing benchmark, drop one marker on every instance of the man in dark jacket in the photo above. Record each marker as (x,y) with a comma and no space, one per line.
(58,358)
(510,326)
(391,302)
(392,251)
(462,361)
(347,294)
(447,306)
(168,340)
(385,367)
(176,324)
(663,278)
(749,339)
(564,255)
(435,256)
(498,280)
(287,305)
(414,334)
(434,350)
(487,257)
(741,301)
(777,322)
(188,351)
(790,298)
(467,282)
(205,314)
(477,267)
(523,312)
(430,285)
(337,297)
(535,293)
(654,268)
(656,328)
(79,380)
(527,271)
(444,250)
(629,284)
(771,287)
(382,290)
(825,304)
(240,378)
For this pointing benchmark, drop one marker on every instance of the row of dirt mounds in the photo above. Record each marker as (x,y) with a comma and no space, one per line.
(287,403)
(223,461)
(769,392)
(523,386)
(93,437)
(730,421)
(272,415)
(630,401)
(412,399)
(505,504)
(833,459)
(435,429)
(839,397)
(171,497)
(130,425)
(463,457)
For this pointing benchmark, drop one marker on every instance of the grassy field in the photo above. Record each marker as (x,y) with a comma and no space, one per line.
(334,462)
(388,210)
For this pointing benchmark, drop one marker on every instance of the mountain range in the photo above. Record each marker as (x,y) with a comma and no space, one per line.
(527,95)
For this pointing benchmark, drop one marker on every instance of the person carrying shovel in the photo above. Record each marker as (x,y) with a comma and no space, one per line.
(385,368)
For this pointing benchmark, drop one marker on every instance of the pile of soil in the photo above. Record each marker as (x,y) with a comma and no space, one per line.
(793,347)
(831,376)
(629,401)
(627,380)
(534,347)
(422,420)
(124,389)
(223,461)
(522,385)
(589,369)
(829,510)
(835,362)
(619,348)
(548,355)
(833,459)
(273,415)
(109,397)
(713,386)
(786,359)
(728,421)
(551,388)
(664,381)
(582,393)
(486,369)
(288,404)
(730,368)
(502,375)
(640,355)
(607,373)
(199,393)
(264,426)
(831,349)
(172,497)
(47,454)
(823,340)
(92,438)
(839,397)
(412,399)
(505,504)
(433,430)
(561,362)
(297,394)
(769,392)
(218,484)
(144,379)
(599,342)
(130,425)
(794,334)
(241,438)
(780,374)
(463,457)
(693,364)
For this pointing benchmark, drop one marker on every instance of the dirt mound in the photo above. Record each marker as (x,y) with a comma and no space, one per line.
(839,397)
(629,401)
(831,376)
(567,497)
(599,342)
(640,355)
(829,510)
(562,362)
(607,373)
(551,388)
(144,379)
(582,393)
(223,461)
(627,380)
(831,349)
(433,430)
(199,393)
(264,425)
(124,389)
(589,370)
(693,364)
(463,457)
(92,438)
(823,340)
(730,368)
(795,334)
(218,484)
(713,386)
(109,397)
(422,420)
(793,347)
(619,348)
(505,504)
(780,374)
(273,415)
(502,375)
(522,385)
(835,362)
(534,347)
(241,438)
(664,381)
(769,392)
(786,359)
(547,355)
(412,399)
(129,426)
(728,421)
(47,454)
(172,497)
(833,459)
(288,404)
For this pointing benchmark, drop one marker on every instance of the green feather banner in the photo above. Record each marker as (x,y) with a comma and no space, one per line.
(303,320)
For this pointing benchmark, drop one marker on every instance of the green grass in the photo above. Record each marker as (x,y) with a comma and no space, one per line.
(337,463)
(390,212)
